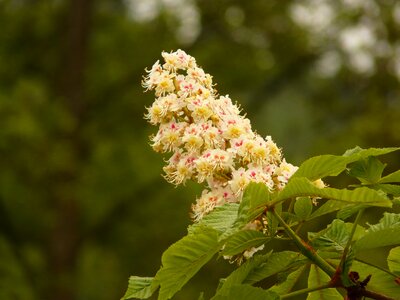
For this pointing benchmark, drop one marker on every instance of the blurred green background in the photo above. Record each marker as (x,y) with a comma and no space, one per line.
(82,201)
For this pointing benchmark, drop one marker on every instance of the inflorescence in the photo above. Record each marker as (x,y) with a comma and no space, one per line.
(210,140)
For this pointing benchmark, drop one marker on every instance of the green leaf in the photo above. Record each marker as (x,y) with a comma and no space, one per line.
(254,195)
(140,287)
(389,220)
(272,222)
(287,286)
(394,260)
(327,207)
(242,291)
(385,233)
(331,165)
(298,187)
(393,177)
(390,189)
(259,267)
(317,277)
(334,237)
(349,210)
(368,170)
(276,263)
(322,166)
(240,275)
(303,207)
(242,240)
(221,218)
(359,153)
(183,259)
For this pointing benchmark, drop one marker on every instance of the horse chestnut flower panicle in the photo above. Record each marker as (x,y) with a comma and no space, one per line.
(211,142)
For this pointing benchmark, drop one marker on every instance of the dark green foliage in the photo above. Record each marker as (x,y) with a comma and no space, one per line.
(82,202)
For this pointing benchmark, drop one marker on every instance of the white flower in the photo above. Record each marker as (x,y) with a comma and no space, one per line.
(213,162)
(212,136)
(188,87)
(239,181)
(284,172)
(192,138)
(250,252)
(178,60)
(150,81)
(257,174)
(224,106)
(164,84)
(210,199)
(205,204)
(169,137)
(180,171)
(233,126)
(274,151)
(200,109)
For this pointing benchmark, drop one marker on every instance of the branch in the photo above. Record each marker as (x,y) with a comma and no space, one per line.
(375,296)
(359,292)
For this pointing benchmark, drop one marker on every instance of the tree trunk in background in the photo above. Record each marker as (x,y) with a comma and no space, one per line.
(64,240)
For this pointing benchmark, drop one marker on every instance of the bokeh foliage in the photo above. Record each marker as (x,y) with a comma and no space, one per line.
(82,202)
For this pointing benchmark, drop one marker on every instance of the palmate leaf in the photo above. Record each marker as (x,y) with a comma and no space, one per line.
(242,240)
(183,259)
(298,187)
(385,233)
(140,288)
(331,165)
(317,277)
